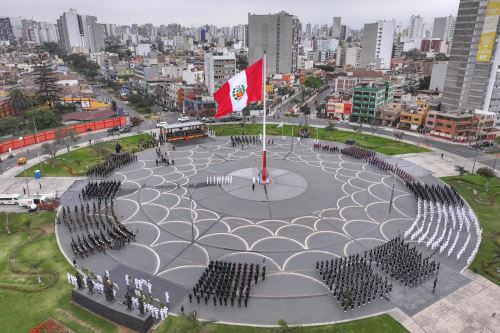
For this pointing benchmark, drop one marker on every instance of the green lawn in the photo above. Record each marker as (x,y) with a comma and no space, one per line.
(383,323)
(486,205)
(24,301)
(77,162)
(379,144)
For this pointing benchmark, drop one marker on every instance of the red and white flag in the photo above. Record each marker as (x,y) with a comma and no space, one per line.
(241,90)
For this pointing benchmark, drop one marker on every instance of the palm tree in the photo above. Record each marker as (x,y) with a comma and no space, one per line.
(19,102)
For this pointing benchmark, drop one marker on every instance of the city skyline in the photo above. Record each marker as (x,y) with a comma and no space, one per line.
(196,13)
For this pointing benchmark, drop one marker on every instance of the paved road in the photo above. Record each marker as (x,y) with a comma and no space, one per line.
(457,149)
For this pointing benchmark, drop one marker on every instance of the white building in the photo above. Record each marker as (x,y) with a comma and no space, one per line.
(143,49)
(192,75)
(219,67)
(438,76)
(377,44)
(416,27)
(80,32)
(327,44)
(352,55)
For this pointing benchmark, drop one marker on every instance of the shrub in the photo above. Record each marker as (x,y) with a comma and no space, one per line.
(486,172)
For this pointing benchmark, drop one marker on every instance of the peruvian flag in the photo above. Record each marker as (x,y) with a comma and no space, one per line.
(241,90)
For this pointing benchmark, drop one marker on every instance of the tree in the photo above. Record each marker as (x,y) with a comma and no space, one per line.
(61,108)
(43,119)
(48,91)
(9,125)
(306,110)
(424,83)
(441,57)
(414,54)
(66,137)
(313,82)
(136,121)
(461,170)
(19,102)
(241,61)
(50,148)
(53,48)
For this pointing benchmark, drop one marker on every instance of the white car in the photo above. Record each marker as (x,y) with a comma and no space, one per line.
(183,119)
(162,124)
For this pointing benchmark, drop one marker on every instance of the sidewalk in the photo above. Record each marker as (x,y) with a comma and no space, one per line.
(472,308)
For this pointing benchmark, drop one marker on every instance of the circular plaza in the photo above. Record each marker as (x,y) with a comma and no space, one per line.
(320,205)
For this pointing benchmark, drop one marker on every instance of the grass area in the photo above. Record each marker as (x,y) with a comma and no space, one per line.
(379,144)
(383,323)
(77,162)
(29,251)
(484,198)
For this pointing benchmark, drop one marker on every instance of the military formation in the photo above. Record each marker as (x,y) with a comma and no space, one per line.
(93,229)
(352,281)
(358,152)
(403,263)
(115,162)
(224,281)
(102,190)
(436,193)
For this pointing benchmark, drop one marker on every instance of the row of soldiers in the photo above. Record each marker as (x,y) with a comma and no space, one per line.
(106,232)
(326,147)
(115,162)
(101,190)
(352,281)
(436,193)
(402,262)
(358,152)
(251,139)
(223,281)
(388,167)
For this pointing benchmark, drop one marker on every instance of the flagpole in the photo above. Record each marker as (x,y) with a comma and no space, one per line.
(264,163)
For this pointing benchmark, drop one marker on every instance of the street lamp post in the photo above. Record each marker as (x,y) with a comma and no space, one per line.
(475,159)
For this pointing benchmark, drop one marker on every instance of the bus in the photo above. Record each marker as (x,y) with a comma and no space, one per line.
(10,198)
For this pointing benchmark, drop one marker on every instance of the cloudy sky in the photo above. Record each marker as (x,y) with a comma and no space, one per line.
(229,12)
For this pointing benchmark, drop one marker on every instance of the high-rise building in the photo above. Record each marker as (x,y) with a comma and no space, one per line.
(77,32)
(474,58)
(377,44)
(308,29)
(239,33)
(443,28)
(47,32)
(279,36)
(6,33)
(416,28)
(343,32)
(337,27)
(219,67)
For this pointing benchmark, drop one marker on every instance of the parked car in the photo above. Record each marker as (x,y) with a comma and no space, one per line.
(125,129)
(183,119)
(113,129)
(22,161)
(161,124)
(231,118)
(208,119)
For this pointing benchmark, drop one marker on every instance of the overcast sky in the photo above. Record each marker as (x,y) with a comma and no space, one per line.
(230,12)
